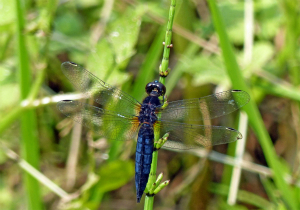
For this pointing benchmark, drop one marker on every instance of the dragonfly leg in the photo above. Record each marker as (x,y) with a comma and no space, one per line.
(165,103)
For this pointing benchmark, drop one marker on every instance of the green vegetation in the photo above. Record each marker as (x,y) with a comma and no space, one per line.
(48,163)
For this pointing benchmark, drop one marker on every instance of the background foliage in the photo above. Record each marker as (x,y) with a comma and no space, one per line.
(121,42)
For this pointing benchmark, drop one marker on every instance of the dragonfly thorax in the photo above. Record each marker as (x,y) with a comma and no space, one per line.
(147,114)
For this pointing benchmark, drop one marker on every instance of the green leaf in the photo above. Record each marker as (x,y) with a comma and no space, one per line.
(156,9)
(183,9)
(102,64)
(69,24)
(262,54)
(123,34)
(7,12)
(101,61)
(87,3)
(233,16)
(6,91)
(114,175)
(206,69)
(6,196)
(111,176)
(268,17)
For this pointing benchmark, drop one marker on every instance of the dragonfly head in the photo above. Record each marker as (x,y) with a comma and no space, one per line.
(155,88)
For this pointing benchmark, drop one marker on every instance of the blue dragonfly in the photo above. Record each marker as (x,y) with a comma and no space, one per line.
(118,116)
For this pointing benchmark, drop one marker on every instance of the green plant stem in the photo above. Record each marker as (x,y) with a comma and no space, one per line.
(29,146)
(152,175)
(149,200)
(255,119)
(168,38)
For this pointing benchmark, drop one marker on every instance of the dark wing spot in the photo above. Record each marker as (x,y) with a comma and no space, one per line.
(75,64)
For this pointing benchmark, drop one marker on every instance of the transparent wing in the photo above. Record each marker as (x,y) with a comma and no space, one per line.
(109,97)
(187,136)
(112,125)
(209,107)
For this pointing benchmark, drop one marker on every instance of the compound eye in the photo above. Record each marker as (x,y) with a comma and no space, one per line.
(149,87)
(162,89)
(155,88)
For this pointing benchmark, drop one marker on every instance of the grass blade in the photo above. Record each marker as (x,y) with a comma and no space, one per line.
(29,146)
(251,109)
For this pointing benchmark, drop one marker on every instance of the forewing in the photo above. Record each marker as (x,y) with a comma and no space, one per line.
(188,136)
(106,123)
(209,107)
(109,97)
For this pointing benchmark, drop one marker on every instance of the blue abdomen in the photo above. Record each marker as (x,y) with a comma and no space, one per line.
(143,159)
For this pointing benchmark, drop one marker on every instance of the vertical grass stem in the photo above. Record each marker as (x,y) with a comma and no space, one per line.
(167,46)
(163,71)
(29,145)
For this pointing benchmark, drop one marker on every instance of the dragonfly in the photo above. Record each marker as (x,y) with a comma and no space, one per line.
(119,116)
